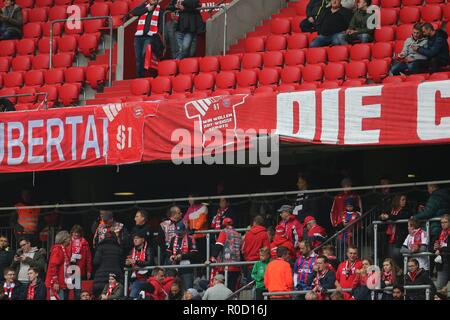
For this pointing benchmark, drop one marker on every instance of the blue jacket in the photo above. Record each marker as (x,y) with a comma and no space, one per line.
(437,47)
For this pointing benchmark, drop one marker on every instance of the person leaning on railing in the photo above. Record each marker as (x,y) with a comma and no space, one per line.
(416,242)
(417,276)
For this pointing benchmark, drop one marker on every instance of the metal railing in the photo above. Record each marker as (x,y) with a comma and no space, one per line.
(45,94)
(297,293)
(427,288)
(110,22)
(406,257)
(247,286)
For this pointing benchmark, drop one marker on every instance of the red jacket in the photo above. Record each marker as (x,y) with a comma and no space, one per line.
(159,293)
(254,239)
(167,283)
(56,266)
(316,235)
(280,241)
(85,263)
(293,229)
(339,205)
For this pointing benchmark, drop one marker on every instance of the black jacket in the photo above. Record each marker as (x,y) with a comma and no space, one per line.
(148,258)
(437,46)
(6,258)
(190,19)
(15,17)
(327,282)
(108,259)
(190,255)
(401,229)
(422,278)
(315,7)
(332,23)
(17,293)
(40,292)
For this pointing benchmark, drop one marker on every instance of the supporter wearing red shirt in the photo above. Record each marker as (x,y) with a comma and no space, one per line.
(346,272)
(157,281)
(280,240)
(255,239)
(80,255)
(58,263)
(315,234)
(292,227)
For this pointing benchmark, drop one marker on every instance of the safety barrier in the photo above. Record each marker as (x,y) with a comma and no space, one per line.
(427,288)
(246,287)
(44,102)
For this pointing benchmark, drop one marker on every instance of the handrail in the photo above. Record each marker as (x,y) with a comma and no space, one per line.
(401,221)
(248,285)
(28,95)
(297,293)
(110,21)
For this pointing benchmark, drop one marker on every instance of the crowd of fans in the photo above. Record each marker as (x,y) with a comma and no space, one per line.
(287,255)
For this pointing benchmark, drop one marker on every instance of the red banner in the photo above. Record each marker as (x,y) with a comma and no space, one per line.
(72,137)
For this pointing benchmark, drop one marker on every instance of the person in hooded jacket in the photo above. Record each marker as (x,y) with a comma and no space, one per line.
(292,227)
(280,240)
(80,255)
(255,239)
(108,259)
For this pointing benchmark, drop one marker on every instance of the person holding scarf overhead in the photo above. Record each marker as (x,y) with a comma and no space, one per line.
(139,257)
(59,261)
(148,35)
(80,255)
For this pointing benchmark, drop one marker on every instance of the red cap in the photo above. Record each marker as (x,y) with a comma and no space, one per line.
(279,229)
(227,221)
(309,219)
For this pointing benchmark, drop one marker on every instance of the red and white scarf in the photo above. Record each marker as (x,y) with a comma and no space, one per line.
(217,220)
(349,268)
(387,277)
(416,238)
(443,238)
(184,245)
(153,23)
(75,245)
(319,276)
(139,255)
(31,291)
(392,228)
(413,275)
(110,290)
(8,289)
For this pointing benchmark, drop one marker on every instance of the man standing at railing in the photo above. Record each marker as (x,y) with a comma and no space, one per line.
(305,204)
(293,228)
(346,272)
(303,267)
(148,33)
(278,276)
(167,231)
(323,277)
(416,242)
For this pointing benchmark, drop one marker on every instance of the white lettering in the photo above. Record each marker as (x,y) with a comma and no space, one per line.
(73,121)
(15,143)
(55,122)
(330,116)
(32,142)
(88,143)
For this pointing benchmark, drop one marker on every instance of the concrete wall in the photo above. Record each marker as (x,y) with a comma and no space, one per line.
(242,17)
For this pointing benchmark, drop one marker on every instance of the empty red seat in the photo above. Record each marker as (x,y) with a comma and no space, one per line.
(140,87)
(446,12)
(93,26)
(337,53)
(51,93)
(300,7)
(411,2)
(384,34)
(40,62)
(67,43)
(9,92)
(54,76)
(377,69)
(117,10)
(382,50)
(409,15)
(290,75)
(167,68)
(57,29)
(34,78)
(8,48)
(21,63)
(88,44)
(99,9)
(182,83)
(312,73)
(230,62)
(398,47)
(390,3)
(351,83)
(295,24)
(43,3)
(273,59)
(32,30)
(96,75)
(431,13)
(404,31)
(316,55)
(13,79)
(360,52)
(330,85)
(251,61)
(438,76)
(63,2)
(388,17)
(30,92)
(247,79)
(62,60)
(209,64)
(225,80)
(188,66)
(5,64)
(308,86)
(294,58)
(75,75)
(268,77)
(26,47)
(72,27)
(334,72)
(415,78)
(25,3)
(276,43)
(161,86)
(204,82)
(68,94)
(280,26)
(254,44)
(37,15)
(297,41)
(57,13)
(356,70)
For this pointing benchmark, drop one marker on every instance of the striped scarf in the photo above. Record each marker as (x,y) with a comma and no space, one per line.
(153,23)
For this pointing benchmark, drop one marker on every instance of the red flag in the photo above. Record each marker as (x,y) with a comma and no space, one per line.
(150,60)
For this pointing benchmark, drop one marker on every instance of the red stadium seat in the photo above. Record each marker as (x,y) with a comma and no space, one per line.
(384,34)
(286,88)
(43,3)
(334,72)
(431,13)
(230,62)
(161,86)
(204,82)
(312,73)
(41,62)
(21,63)
(407,3)
(25,3)
(78,9)
(273,59)
(264,90)
(63,2)
(300,8)
(57,13)
(13,79)
(415,78)
(351,83)
(390,3)
(93,26)
(88,44)
(67,43)
(268,77)
(254,44)
(434,1)
(188,66)
(167,68)
(5,64)
(280,26)
(26,47)
(308,86)
(140,87)
(439,76)
(209,64)
(398,47)
(291,75)
(62,60)
(446,12)
(99,9)
(337,53)
(382,50)
(276,43)
(32,30)
(294,58)
(404,31)
(360,52)
(388,17)
(34,78)
(295,24)
(409,15)
(68,94)
(8,48)
(9,92)
(51,91)
(57,29)
(96,75)
(251,61)
(297,41)
(118,9)
(182,83)
(246,79)
(225,80)
(37,15)
(356,70)
(26,99)
(316,55)
(54,76)
(330,85)
(378,69)
(75,75)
